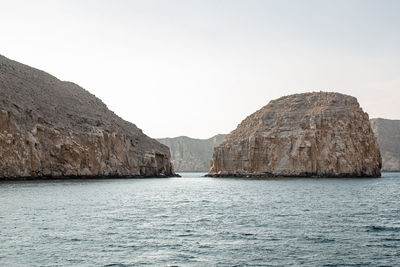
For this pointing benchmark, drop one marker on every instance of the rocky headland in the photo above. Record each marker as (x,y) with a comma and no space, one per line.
(190,154)
(388,134)
(51,129)
(316,134)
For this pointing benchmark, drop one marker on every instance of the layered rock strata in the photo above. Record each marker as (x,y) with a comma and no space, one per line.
(190,154)
(50,128)
(388,134)
(313,134)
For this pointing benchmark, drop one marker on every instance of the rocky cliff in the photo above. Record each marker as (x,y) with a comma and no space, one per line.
(192,155)
(388,134)
(312,134)
(51,128)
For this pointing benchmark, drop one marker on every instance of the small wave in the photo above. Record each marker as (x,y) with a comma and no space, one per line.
(362,213)
(184,235)
(204,220)
(320,240)
(117,219)
(111,233)
(205,246)
(374,228)
(123,246)
(287,215)
(382,246)
(247,234)
(392,239)
(389,246)
(273,239)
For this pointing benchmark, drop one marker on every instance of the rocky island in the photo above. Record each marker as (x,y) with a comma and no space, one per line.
(388,134)
(318,134)
(51,129)
(191,154)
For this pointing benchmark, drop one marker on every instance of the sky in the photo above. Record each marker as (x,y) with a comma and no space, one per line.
(198,68)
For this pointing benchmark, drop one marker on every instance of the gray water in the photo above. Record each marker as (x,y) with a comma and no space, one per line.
(194,221)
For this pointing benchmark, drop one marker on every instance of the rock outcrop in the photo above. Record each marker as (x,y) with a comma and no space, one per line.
(50,128)
(312,134)
(388,134)
(191,155)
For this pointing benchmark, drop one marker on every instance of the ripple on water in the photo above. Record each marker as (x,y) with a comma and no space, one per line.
(376,228)
(201,222)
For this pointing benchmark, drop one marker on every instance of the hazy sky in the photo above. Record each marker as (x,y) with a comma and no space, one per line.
(198,68)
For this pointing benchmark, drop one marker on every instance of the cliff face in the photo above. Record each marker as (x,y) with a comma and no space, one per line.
(192,155)
(51,128)
(388,134)
(313,134)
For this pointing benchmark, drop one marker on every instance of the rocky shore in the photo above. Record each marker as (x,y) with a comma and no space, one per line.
(316,134)
(55,129)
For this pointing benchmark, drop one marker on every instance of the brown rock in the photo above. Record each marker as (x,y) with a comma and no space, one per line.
(51,128)
(388,134)
(312,134)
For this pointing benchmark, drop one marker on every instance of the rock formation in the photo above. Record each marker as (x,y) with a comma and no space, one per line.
(51,128)
(388,134)
(191,155)
(312,134)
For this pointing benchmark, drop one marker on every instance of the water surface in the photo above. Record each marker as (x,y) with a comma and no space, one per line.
(195,221)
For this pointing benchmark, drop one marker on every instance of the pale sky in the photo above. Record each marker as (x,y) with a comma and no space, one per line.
(198,68)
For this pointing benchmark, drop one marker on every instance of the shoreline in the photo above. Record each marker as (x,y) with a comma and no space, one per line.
(85,177)
(299,175)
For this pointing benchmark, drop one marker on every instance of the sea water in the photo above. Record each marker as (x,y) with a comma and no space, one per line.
(196,221)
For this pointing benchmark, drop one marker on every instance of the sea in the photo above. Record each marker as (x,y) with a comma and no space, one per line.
(198,221)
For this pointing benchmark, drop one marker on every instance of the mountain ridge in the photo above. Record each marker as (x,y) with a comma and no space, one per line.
(387,132)
(191,154)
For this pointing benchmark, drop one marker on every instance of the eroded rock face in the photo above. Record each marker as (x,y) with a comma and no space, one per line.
(312,134)
(190,154)
(50,128)
(388,134)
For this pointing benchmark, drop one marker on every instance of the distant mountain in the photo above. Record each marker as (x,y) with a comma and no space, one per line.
(189,154)
(388,134)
